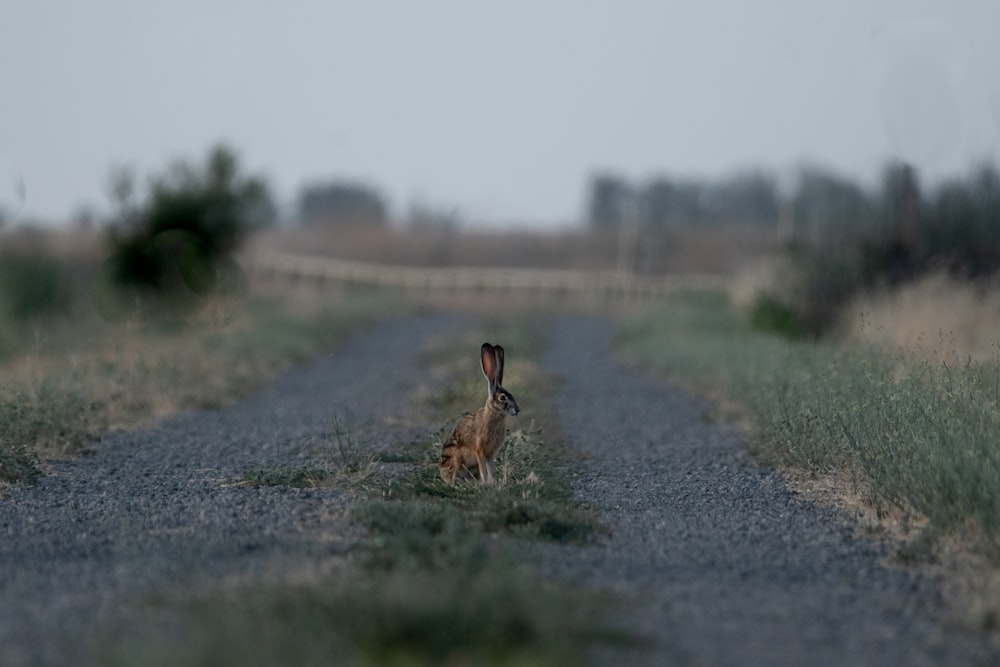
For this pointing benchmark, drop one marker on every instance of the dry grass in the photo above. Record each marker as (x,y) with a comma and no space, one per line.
(57,398)
(76,242)
(936,318)
(710,250)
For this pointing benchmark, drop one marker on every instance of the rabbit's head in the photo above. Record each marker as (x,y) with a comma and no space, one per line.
(500,399)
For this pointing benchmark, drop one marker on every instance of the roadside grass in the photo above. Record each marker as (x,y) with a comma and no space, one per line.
(59,399)
(915,438)
(915,435)
(440,577)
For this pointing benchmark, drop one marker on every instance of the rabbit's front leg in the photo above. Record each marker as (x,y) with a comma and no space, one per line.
(490,476)
(485,468)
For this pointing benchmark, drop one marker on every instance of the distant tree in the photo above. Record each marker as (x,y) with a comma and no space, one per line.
(664,203)
(830,206)
(122,187)
(609,199)
(658,203)
(962,224)
(749,196)
(427,217)
(176,245)
(341,201)
(900,202)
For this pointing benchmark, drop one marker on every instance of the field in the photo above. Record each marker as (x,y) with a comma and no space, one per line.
(898,432)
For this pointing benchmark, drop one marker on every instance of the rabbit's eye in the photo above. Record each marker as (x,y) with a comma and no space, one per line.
(503,398)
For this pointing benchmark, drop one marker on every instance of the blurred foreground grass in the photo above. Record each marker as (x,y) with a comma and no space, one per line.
(75,379)
(912,435)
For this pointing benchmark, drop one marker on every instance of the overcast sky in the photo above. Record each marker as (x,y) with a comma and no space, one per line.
(500,109)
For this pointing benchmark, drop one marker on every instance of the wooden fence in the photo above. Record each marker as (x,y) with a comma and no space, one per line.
(273,265)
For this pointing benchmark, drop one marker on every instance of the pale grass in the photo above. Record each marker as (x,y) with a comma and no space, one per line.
(935,318)
(755,279)
(715,249)
(125,375)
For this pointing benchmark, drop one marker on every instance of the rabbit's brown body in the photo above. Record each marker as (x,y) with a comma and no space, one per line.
(478,437)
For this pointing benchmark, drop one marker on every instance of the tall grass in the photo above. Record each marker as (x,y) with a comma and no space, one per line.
(67,393)
(916,435)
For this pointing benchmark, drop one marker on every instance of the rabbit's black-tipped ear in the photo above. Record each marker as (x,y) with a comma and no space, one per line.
(490,366)
(498,351)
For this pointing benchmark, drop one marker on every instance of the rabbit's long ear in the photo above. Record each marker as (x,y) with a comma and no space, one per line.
(490,366)
(498,351)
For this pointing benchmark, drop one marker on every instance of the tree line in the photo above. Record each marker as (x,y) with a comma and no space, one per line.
(900,226)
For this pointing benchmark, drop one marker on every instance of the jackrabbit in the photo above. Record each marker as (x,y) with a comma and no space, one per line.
(479,436)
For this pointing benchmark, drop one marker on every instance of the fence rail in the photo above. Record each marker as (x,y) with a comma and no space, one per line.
(274,265)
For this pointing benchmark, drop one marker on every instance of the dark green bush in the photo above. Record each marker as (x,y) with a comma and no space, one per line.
(961,226)
(771,315)
(829,278)
(176,247)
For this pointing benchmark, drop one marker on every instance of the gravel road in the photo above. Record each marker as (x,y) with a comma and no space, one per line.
(723,564)
(157,510)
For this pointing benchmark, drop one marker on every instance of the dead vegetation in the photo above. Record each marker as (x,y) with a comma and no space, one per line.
(708,250)
(937,318)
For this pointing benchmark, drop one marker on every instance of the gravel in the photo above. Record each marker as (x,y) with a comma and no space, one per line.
(155,512)
(722,563)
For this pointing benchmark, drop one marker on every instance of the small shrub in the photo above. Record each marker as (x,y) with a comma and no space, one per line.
(175,249)
(17,463)
(828,279)
(770,315)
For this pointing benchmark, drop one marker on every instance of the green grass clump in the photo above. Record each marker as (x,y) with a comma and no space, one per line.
(52,415)
(18,464)
(915,435)
(296,477)
(770,315)
(531,498)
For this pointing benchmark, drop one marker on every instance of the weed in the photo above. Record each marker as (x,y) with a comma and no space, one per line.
(352,457)
(298,477)
(343,460)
